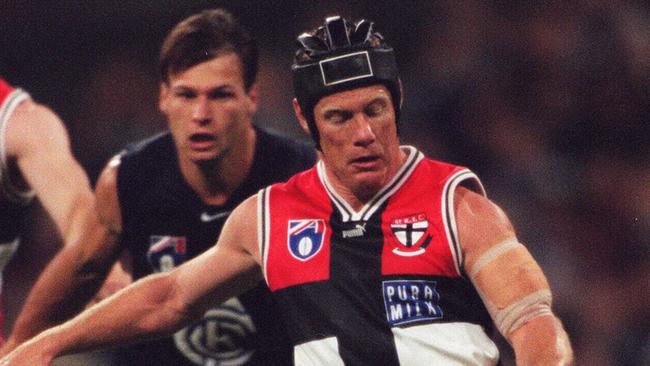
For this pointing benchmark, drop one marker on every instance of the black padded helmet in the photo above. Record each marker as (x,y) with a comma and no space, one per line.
(338,56)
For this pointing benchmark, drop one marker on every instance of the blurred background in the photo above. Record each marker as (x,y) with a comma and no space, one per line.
(548,101)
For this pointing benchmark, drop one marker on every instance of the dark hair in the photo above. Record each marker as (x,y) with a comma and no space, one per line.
(204,36)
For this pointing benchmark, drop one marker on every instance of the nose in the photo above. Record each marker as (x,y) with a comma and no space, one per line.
(201,111)
(363,132)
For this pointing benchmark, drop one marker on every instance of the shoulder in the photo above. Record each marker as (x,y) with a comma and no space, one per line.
(34,126)
(246,211)
(481,223)
(143,160)
(152,147)
(242,225)
(106,196)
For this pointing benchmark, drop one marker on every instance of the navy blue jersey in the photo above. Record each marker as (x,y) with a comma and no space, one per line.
(165,223)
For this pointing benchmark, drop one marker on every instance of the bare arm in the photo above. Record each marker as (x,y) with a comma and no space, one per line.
(510,282)
(39,142)
(162,303)
(77,271)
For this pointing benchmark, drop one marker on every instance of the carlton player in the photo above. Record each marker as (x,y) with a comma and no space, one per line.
(165,199)
(377,255)
(36,162)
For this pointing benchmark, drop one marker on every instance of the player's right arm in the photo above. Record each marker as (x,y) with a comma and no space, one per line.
(75,274)
(158,304)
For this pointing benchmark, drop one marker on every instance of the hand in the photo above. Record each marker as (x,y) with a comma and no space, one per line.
(28,354)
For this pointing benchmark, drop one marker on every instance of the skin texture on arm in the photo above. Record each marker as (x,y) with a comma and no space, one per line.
(38,140)
(118,278)
(73,277)
(506,277)
(159,304)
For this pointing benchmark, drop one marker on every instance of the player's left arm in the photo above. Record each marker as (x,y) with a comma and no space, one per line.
(510,282)
(39,141)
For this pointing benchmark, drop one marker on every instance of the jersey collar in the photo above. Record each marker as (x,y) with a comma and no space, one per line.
(347,212)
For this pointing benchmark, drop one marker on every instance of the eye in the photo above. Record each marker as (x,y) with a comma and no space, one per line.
(337,117)
(185,94)
(375,108)
(221,94)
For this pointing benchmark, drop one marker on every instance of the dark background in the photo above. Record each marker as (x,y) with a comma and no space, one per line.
(548,101)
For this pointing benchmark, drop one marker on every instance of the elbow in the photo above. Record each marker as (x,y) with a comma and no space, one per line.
(542,341)
(169,308)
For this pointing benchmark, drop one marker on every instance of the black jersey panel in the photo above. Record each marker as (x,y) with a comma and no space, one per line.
(165,224)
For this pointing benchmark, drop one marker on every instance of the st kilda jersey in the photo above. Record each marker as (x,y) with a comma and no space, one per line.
(165,223)
(381,286)
(13,199)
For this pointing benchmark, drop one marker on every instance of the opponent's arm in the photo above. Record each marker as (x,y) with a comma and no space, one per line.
(510,282)
(74,275)
(117,278)
(162,303)
(38,140)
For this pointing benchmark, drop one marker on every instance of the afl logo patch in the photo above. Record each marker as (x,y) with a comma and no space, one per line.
(166,252)
(411,233)
(305,238)
(226,336)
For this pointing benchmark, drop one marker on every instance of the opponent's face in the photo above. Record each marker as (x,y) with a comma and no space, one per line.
(208,109)
(358,138)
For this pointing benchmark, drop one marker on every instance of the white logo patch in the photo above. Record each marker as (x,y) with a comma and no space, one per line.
(410,233)
(220,338)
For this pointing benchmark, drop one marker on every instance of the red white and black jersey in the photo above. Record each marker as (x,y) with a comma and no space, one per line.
(379,286)
(13,201)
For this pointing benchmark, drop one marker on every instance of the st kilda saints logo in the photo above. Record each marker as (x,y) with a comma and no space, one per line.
(411,232)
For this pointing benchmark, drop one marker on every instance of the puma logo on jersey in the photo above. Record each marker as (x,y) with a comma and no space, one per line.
(359,230)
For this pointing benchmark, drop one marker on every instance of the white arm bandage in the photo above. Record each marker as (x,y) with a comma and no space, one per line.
(511,284)
(514,316)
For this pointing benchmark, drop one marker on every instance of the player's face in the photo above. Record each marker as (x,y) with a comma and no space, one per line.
(358,138)
(208,109)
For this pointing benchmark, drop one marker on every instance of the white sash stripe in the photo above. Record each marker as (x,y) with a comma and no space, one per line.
(458,344)
(317,353)
(263,230)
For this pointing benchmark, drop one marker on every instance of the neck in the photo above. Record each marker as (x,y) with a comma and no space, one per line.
(358,194)
(215,180)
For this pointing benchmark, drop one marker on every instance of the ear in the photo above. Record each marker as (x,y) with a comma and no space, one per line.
(163,95)
(254,97)
(300,116)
